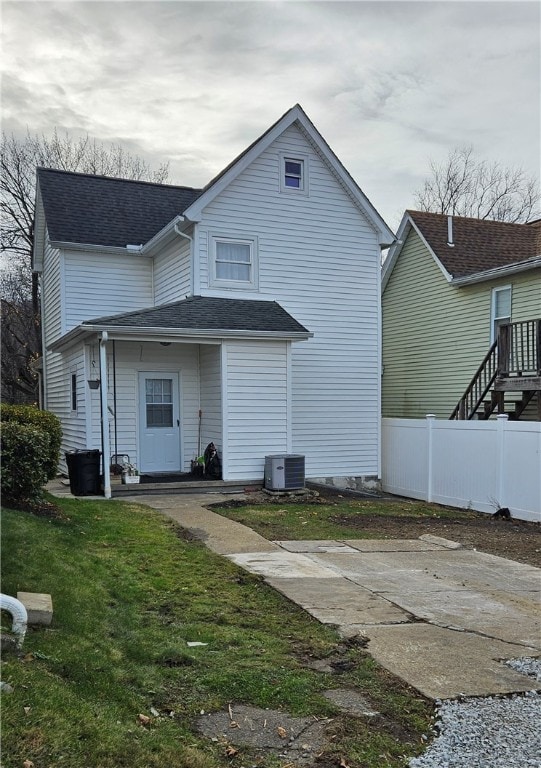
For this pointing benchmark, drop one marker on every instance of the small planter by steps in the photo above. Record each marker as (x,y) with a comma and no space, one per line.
(130,473)
(129,479)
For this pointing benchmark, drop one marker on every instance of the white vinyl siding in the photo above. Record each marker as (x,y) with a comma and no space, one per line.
(97,285)
(319,259)
(172,272)
(211,397)
(132,357)
(256,413)
(60,369)
(52,294)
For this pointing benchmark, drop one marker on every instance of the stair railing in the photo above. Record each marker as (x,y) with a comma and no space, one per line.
(479,386)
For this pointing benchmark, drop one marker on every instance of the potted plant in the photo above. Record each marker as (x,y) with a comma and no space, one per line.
(130,473)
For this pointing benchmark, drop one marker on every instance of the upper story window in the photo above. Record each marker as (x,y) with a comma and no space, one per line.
(501,309)
(234,263)
(294,173)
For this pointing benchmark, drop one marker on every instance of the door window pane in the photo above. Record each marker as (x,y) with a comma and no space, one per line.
(159,402)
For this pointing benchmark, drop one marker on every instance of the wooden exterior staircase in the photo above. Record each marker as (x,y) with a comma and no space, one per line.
(511,367)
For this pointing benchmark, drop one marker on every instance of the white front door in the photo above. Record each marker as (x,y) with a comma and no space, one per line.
(159,422)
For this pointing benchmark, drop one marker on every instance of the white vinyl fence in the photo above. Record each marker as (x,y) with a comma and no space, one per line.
(481,465)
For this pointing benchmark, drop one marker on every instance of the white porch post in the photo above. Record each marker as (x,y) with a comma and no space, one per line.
(105,447)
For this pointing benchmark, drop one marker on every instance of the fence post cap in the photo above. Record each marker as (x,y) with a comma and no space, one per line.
(504,416)
(430,416)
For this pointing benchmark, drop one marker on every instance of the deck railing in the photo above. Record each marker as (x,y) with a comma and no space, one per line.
(515,353)
(519,349)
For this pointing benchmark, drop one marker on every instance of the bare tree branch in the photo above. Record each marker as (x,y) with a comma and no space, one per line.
(21,340)
(465,186)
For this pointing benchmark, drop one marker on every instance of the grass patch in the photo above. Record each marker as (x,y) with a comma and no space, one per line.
(326,519)
(129,592)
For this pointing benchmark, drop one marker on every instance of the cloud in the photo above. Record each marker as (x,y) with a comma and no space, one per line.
(388,84)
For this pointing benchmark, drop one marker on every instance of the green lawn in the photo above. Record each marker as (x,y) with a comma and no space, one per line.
(129,592)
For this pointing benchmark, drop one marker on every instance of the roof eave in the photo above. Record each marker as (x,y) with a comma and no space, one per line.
(133,333)
(491,274)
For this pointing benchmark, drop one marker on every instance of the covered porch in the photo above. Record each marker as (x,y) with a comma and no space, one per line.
(163,383)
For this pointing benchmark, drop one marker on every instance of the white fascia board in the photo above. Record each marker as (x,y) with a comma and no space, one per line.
(385,235)
(113,250)
(492,274)
(447,275)
(296,114)
(162,236)
(195,210)
(183,335)
(394,253)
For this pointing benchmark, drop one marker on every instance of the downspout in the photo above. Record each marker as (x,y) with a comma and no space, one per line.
(105,447)
(19,615)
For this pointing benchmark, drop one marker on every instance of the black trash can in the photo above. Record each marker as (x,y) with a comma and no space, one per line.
(84,472)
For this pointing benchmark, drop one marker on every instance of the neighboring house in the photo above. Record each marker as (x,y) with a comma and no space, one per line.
(246,313)
(452,287)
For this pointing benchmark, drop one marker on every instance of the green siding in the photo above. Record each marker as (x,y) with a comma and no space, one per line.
(436,335)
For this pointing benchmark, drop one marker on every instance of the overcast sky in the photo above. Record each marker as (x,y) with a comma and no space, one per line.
(388,84)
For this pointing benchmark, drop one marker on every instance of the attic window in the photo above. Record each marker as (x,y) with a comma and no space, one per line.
(294,174)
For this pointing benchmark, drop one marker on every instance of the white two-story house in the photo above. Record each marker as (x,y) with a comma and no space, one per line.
(246,313)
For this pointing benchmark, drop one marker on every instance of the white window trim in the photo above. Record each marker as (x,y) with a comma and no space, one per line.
(244,285)
(295,157)
(493,317)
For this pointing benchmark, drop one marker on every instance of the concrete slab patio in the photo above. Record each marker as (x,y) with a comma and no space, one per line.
(440,617)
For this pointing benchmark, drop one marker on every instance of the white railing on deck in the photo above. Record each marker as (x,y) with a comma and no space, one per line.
(481,465)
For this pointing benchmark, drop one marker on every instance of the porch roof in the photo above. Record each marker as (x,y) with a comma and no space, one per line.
(197,317)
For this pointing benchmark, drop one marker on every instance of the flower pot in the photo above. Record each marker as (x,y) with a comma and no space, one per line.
(128,479)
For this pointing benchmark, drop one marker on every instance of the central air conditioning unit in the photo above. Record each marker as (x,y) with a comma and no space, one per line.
(284,472)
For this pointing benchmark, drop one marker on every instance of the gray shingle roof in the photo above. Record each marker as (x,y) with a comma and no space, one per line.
(99,210)
(204,313)
(479,244)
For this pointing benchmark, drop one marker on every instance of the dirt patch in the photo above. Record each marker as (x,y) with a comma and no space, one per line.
(260,731)
(38,507)
(514,539)
(518,540)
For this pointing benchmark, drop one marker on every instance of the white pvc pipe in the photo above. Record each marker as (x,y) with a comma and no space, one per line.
(19,614)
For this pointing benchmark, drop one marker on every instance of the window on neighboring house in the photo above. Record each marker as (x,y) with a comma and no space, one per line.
(234,263)
(73,391)
(501,309)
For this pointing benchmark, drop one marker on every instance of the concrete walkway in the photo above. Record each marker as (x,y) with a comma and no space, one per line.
(438,616)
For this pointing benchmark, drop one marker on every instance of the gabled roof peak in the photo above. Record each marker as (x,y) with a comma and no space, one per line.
(479,246)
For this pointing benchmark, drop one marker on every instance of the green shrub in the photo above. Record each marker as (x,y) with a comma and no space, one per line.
(22,466)
(45,421)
